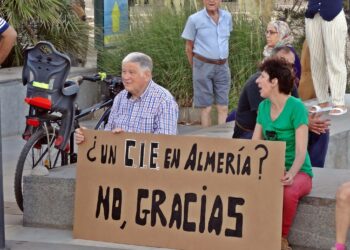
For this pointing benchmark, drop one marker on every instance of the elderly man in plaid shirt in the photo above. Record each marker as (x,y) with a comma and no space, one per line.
(7,39)
(143,106)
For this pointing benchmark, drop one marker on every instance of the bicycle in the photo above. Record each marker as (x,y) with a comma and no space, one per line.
(50,128)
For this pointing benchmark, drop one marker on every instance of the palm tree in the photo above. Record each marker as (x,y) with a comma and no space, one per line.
(51,20)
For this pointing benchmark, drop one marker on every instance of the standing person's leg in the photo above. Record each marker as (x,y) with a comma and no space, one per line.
(314,39)
(317,148)
(206,116)
(342,215)
(301,186)
(203,89)
(222,113)
(222,83)
(334,44)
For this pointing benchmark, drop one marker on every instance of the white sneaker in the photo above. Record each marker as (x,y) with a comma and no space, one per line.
(40,170)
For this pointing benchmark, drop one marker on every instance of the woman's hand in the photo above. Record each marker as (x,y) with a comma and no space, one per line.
(317,124)
(288,179)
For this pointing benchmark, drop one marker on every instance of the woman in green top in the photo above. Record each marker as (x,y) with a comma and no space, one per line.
(282,117)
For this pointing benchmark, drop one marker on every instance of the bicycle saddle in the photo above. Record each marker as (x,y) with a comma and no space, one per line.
(45,72)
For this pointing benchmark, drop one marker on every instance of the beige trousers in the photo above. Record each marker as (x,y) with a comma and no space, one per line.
(327,55)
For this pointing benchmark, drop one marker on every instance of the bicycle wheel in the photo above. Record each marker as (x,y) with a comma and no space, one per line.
(39,150)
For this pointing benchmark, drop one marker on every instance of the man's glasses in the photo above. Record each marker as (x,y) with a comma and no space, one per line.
(270,32)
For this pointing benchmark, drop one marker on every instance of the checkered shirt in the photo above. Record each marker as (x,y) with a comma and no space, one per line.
(155,111)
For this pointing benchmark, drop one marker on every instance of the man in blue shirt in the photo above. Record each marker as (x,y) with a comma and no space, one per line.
(207,34)
(143,106)
(7,39)
(326,31)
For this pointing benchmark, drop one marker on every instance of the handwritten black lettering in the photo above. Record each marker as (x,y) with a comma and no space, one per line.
(215,221)
(263,158)
(141,194)
(117,204)
(232,203)
(167,158)
(210,161)
(142,155)
(158,198)
(176,212)
(191,160)
(129,162)
(217,162)
(189,226)
(103,201)
(203,211)
(89,152)
(153,155)
(112,156)
(182,206)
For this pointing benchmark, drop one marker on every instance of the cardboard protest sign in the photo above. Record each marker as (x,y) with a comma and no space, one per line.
(179,192)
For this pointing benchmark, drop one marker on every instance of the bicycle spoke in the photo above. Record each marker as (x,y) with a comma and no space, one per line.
(40,158)
(56,159)
(45,159)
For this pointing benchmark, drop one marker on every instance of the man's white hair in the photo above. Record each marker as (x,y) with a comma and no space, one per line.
(142,59)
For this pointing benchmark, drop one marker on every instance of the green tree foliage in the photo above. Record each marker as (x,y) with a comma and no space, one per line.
(50,20)
(246,47)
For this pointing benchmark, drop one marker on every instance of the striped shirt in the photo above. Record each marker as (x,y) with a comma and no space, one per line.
(155,111)
(3,25)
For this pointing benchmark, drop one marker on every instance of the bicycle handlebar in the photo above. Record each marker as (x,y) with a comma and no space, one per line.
(115,84)
(109,79)
(91,78)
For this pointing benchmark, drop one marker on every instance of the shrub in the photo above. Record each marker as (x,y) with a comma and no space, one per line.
(159,36)
(246,47)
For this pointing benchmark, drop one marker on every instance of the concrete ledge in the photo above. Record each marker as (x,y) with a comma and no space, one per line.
(338,154)
(49,202)
(314,224)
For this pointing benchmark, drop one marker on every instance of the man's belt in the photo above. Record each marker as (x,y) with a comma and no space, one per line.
(211,61)
(243,128)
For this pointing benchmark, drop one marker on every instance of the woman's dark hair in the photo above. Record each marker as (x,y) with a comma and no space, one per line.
(280,69)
